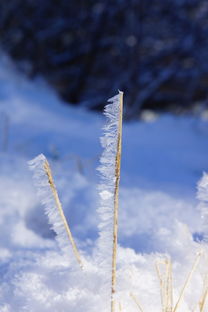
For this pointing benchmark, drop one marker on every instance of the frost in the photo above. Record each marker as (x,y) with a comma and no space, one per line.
(46,188)
(107,187)
(106,195)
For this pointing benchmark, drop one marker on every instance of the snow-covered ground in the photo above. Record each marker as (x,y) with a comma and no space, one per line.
(163,158)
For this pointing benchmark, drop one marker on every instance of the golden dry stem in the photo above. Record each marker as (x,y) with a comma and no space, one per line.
(193,269)
(166,285)
(60,210)
(116,193)
(136,302)
(165,275)
(203,299)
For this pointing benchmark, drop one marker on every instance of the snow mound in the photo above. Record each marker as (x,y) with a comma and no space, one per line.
(162,161)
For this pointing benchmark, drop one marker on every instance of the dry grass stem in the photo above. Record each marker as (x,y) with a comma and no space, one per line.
(136,302)
(59,207)
(196,262)
(116,193)
(166,287)
(203,298)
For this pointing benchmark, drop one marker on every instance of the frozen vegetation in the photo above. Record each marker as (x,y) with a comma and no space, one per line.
(159,216)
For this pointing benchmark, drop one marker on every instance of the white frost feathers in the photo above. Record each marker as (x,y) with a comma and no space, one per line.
(108,169)
(49,198)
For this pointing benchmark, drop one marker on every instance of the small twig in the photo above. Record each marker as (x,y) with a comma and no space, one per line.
(160,280)
(196,262)
(169,287)
(116,193)
(136,302)
(166,288)
(204,296)
(59,207)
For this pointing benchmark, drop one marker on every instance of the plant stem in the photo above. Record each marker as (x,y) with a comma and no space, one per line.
(116,194)
(59,207)
(136,302)
(196,262)
(166,290)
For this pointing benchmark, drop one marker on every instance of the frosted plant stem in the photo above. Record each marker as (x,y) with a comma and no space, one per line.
(196,262)
(166,288)
(136,302)
(160,280)
(203,301)
(169,288)
(116,193)
(60,210)
(204,296)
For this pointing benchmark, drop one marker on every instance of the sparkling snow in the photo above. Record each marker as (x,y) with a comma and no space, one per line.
(162,160)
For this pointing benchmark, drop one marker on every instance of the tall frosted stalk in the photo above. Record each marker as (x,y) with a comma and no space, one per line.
(116,194)
(109,191)
(49,197)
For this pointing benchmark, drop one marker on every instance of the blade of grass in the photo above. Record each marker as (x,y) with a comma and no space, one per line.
(136,302)
(60,210)
(169,287)
(204,296)
(116,194)
(159,274)
(195,264)
(166,288)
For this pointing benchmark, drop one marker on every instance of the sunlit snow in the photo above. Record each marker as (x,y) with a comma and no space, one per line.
(162,161)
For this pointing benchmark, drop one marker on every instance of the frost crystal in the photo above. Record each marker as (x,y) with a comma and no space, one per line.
(108,167)
(57,220)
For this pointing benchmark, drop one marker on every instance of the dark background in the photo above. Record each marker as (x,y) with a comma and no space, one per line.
(155,51)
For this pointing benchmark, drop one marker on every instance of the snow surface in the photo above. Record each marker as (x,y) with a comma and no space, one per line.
(162,160)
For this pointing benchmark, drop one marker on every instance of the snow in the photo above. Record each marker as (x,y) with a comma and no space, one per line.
(162,160)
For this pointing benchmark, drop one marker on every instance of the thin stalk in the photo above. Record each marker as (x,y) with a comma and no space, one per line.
(204,296)
(116,193)
(160,280)
(196,262)
(166,288)
(137,302)
(59,207)
(203,301)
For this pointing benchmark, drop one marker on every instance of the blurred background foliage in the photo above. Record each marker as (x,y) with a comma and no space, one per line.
(155,51)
